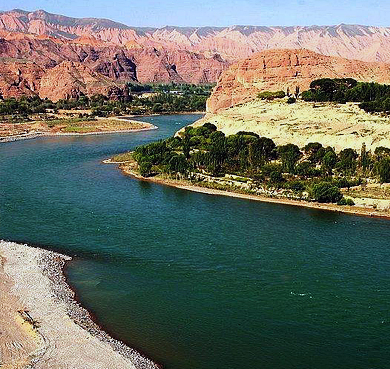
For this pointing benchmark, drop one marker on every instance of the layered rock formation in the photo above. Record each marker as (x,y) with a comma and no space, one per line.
(173,54)
(141,64)
(71,80)
(275,70)
(18,78)
(110,63)
(106,47)
(67,80)
(232,43)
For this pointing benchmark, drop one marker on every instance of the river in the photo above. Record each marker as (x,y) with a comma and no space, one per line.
(198,281)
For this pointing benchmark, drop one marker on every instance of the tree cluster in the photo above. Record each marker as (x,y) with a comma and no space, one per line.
(373,97)
(25,106)
(165,98)
(316,169)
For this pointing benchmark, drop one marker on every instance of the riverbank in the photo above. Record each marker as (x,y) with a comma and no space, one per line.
(99,127)
(41,323)
(190,186)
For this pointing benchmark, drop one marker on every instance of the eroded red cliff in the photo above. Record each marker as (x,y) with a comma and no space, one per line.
(275,70)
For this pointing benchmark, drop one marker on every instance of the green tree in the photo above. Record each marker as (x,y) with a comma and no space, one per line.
(289,154)
(325,192)
(328,161)
(311,150)
(145,168)
(178,164)
(186,143)
(381,152)
(347,161)
(276,178)
(383,170)
(218,148)
(365,161)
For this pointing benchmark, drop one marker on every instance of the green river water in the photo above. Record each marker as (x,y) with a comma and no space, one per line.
(197,281)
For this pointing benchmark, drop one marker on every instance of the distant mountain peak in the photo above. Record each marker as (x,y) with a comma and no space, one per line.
(235,42)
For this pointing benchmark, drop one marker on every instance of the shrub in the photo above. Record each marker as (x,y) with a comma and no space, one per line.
(291,100)
(269,168)
(344,201)
(326,192)
(383,169)
(296,186)
(269,95)
(350,202)
(276,177)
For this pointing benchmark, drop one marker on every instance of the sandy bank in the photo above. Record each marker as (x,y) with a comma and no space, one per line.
(189,186)
(65,336)
(145,127)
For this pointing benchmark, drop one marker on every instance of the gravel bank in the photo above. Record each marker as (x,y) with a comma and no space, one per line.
(70,339)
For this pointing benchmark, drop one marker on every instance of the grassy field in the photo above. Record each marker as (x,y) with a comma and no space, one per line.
(125,157)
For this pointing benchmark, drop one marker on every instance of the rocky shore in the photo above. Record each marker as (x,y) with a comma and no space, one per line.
(62,331)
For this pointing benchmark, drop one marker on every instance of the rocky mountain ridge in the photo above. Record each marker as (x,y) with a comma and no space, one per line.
(33,43)
(66,80)
(365,43)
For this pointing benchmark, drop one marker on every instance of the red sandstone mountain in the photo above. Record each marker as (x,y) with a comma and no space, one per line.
(67,80)
(117,63)
(232,43)
(141,64)
(194,55)
(19,79)
(71,80)
(106,47)
(275,70)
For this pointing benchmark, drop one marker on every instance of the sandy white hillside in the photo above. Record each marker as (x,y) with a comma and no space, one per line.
(335,125)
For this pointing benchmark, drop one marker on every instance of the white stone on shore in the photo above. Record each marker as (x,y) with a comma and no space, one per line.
(70,339)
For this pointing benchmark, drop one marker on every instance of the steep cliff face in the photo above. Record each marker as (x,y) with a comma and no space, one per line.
(232,43)
(275,70)
(71,80)
(67,80)
(19,79)
(109,48)
(163,65)
(137,63)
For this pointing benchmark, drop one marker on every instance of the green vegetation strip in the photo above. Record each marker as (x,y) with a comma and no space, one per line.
(137,99)
(256,164)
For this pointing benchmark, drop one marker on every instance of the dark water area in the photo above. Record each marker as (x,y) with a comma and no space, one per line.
(201,281)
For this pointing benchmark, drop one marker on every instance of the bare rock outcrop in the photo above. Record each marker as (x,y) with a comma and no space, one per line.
(72,80)
(188,54)
(275,70)
(67,80)
(365,43)
(19,78)
(123,63)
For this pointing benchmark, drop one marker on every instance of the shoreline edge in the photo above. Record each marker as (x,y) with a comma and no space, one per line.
(63,325)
